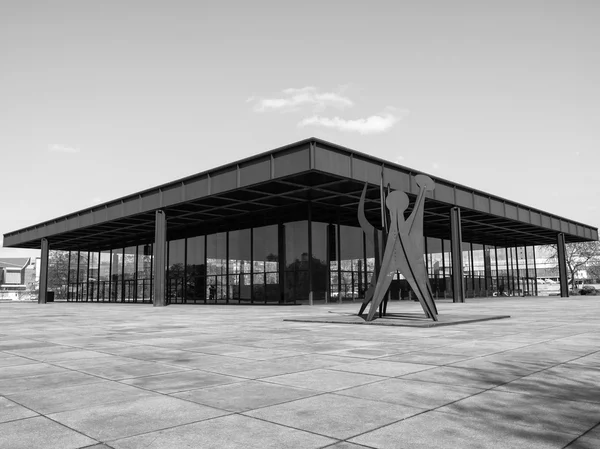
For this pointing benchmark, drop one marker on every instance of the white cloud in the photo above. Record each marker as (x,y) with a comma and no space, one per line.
(399,159)
(370,125)
(62,148)
(95,200)
(435,166)
(294,98)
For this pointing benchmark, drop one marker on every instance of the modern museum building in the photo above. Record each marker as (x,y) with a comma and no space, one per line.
(281,227)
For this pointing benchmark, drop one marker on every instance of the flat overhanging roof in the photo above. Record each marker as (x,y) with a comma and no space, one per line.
(282,182)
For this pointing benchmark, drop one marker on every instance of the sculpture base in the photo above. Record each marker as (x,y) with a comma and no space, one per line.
(401,319)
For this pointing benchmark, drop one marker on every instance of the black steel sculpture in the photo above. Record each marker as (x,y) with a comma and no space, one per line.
(404,251)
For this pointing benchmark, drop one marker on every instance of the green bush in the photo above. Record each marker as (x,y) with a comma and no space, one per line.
(588,290)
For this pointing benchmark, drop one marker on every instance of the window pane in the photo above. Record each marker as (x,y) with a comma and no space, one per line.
(239,265)
(216,260)
(129,270)
(195,270)
(266,260)
(296,261)
(117,275)
(176,271)
(319,261)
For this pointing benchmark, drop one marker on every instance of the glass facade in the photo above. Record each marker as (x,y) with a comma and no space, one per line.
(281,264)
(195,270)
(176,271)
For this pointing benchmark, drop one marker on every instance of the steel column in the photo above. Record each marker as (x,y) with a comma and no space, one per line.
(160,259)
(458,282)
(562,266)
(43,272)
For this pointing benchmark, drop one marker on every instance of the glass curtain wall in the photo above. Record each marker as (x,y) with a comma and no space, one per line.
(446,246)
(320,262)
(332,257)
(246,265)
(296,279)
(216,264)
(435,266)
(72,277)
(176,272)
(82,276)
(104,277)
(240,265)
(478,258)
(144,273)
(195,270)
(116,274)
(265,264)
(92,276)
(531,272)
(58,273)
(129,270)
(352,263)
(370,258)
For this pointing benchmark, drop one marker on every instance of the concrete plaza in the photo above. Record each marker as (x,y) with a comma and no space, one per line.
(133,376)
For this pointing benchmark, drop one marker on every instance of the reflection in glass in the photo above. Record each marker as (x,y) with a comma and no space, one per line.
(58,269)
(447,247)
(319,261)
(296,283)
(266,264)
(176,271)
(83,276)
(195,285)
(478,269)
(240,282)
(351,263)
(216,266)
(116,288)
(503,289)
(104,277)
(144,272)
(435,266)
(129,270)
(332,257)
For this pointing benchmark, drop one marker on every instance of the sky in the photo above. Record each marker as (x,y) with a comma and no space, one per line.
(102,99)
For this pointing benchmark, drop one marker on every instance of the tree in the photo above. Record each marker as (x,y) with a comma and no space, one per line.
(579,256)
(58,272)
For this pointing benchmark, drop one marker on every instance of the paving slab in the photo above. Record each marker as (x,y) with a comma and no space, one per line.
(324,380)
(424,395)
(45,382)
(245,396)
(128,418)
(229,432)
(531,410)
(132,369)
(385,368)
(181,381)
(29,370)
(40,433)
(464,377)
(14,360)
(79,396)
(346,416)
(11,411)
(428,358)
(448,431)
(567,381)
(346,445)
(589,440)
